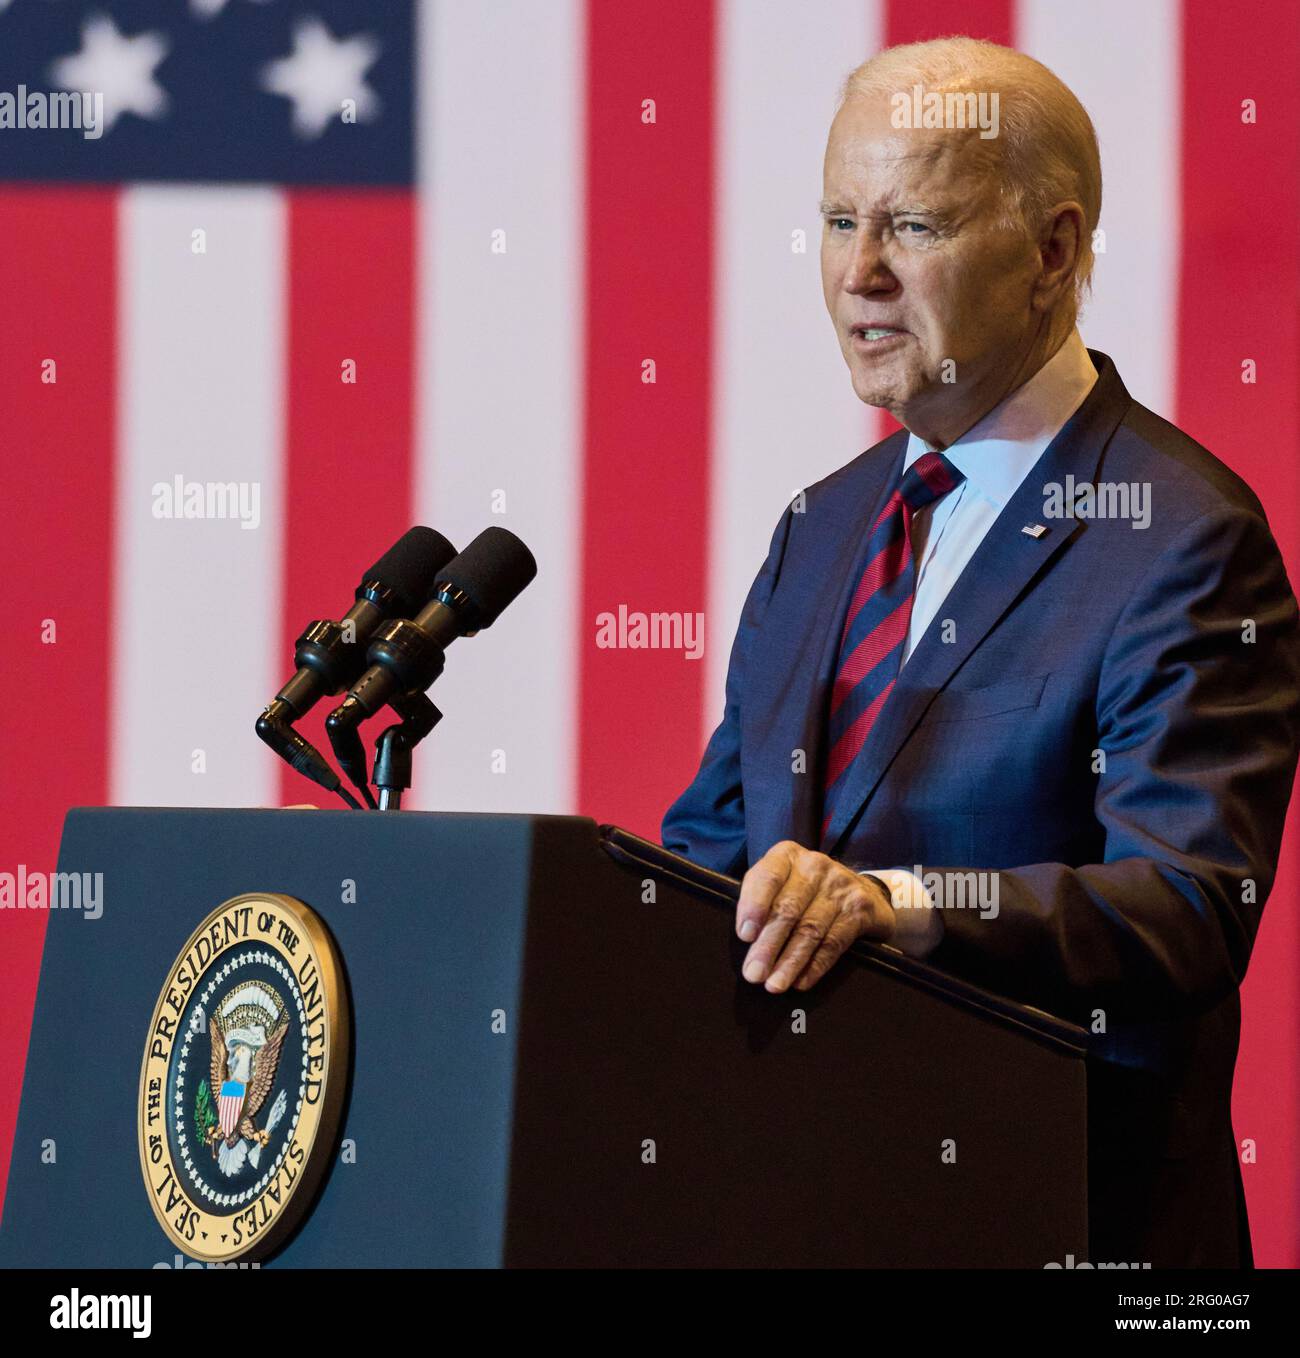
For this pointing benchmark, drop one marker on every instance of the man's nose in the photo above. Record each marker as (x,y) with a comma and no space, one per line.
(867,271)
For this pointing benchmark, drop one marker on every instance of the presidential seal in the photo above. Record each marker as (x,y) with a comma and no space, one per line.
(243,1078)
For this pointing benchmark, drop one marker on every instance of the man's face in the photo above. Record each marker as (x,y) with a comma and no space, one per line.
(912,244)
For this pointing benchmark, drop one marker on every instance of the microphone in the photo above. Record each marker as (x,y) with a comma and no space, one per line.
(331,655)
(406,656)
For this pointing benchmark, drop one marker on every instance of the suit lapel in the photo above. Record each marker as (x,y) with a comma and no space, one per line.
(1007,563)
(825,643)
(786,709)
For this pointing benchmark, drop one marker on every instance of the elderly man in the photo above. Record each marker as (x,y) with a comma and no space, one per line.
(1039,636)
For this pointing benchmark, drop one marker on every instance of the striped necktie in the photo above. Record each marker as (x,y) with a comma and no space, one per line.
(875,626)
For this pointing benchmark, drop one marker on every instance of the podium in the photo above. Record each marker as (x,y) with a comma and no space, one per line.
(555,1062)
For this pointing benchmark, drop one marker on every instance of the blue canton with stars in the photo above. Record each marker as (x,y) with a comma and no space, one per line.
(206,91)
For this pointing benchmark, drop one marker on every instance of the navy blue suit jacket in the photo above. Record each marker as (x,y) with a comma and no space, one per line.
(1135,890)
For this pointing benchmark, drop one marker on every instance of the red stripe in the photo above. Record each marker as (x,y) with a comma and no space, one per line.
(851,742)
(649,289)
(871,650)
(872,576)
(890,505)
(888,564)
(348,473)
(921,20)
(58,270)
(1236,301)
(933,469)
(881,572)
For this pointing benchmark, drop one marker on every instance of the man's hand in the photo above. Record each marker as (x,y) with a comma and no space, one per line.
(800,910)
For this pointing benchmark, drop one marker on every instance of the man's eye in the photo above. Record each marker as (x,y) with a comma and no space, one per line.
(835,223)
(901,227)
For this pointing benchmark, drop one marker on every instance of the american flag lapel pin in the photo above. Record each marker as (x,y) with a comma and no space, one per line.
(1034,530)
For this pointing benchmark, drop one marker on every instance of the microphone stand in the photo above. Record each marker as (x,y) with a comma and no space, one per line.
(393,748)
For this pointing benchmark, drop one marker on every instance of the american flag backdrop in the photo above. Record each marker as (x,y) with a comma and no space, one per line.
(528,209)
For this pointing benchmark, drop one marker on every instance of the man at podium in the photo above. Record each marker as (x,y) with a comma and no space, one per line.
(1017,690)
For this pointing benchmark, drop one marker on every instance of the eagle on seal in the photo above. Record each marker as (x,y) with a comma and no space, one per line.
(246,1068)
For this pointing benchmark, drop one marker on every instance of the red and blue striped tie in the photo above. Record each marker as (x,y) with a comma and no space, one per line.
(875,626)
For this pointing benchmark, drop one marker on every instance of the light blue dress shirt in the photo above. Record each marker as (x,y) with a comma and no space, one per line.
(995,455)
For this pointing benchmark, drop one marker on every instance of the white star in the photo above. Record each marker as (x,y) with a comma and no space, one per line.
(205,9)
(119,68)
(322,72)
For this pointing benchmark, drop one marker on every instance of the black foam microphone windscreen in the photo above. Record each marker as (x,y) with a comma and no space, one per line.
(491,573)
(408,566)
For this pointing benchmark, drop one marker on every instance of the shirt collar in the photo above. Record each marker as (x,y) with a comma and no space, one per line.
(996,454)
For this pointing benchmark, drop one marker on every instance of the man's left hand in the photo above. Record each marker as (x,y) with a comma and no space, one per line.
(800,911)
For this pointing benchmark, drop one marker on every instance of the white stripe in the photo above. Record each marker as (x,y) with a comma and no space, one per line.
(500,134)
(1122,60)
(198,650)
(784,410)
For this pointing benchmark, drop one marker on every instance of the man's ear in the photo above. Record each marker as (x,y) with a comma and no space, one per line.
(1060,245)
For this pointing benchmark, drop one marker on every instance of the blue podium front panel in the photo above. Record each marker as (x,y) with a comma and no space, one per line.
(428,915)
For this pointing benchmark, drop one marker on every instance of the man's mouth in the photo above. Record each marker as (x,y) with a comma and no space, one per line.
(874,334)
